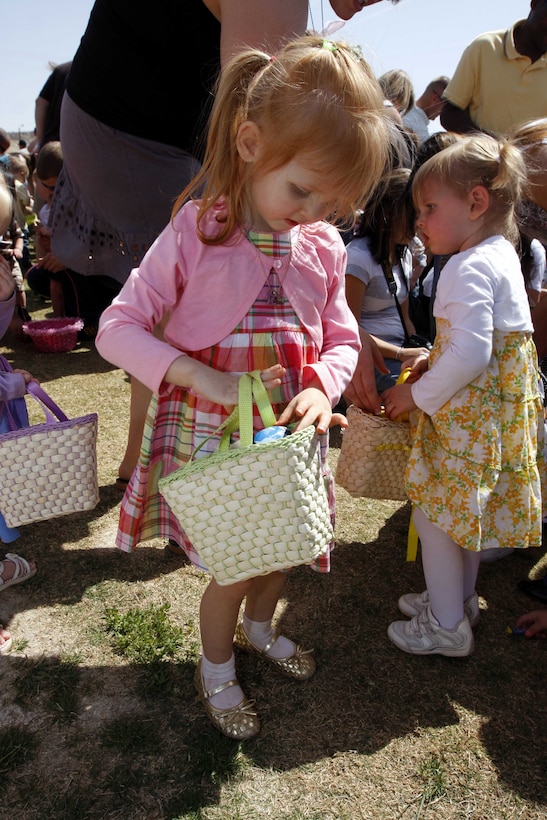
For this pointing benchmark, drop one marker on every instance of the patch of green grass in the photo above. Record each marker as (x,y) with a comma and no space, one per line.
(432,773)
(144,636)
(20,644)
(55,680)
(148,638)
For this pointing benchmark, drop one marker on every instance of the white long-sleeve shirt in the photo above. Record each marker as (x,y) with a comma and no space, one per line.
(479,290)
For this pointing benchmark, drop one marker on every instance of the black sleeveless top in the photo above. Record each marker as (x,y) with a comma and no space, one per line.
(149,69)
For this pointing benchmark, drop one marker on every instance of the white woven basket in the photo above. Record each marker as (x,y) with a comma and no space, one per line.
(373,457)
(50,469)
(255,509)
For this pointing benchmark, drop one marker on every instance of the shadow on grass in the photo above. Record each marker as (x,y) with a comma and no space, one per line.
(153,753)
(82,361)
(66,573)
(154,758)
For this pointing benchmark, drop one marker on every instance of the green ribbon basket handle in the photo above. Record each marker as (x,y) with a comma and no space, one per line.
(250,390)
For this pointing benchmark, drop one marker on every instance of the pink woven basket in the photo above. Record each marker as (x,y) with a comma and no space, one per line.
(54,335)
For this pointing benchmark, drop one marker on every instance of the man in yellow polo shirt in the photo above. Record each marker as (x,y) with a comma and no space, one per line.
(501,79)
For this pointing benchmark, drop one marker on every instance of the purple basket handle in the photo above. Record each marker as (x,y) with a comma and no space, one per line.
(47,403)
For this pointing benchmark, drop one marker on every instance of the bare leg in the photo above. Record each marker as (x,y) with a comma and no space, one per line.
(140,399)
(218,618)
(57,301)
(263,596)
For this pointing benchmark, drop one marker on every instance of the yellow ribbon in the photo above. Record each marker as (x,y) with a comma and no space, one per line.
(412,540)
(394,445)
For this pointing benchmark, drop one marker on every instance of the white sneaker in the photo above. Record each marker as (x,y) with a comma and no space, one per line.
(413,603)
(423,635)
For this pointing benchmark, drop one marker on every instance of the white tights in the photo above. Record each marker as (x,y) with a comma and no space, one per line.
(450,571)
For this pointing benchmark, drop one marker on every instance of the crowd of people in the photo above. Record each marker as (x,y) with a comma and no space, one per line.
(344,241)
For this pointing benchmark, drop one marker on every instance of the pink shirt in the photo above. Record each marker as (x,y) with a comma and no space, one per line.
(208,289)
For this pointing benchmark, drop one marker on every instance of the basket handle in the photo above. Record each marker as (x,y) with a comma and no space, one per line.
(46,403)
(250,390)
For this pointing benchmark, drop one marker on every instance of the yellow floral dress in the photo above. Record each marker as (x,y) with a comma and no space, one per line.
(476,466)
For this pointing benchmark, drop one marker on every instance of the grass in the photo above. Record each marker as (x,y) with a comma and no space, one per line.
(98,715)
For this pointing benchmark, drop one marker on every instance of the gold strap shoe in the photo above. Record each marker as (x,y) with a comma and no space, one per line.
(299,666)
(240,722)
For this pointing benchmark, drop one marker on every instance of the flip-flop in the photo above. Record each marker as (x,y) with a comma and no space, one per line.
(6,646)
(23,571)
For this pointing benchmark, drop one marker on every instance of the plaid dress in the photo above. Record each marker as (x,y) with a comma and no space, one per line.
(179,420)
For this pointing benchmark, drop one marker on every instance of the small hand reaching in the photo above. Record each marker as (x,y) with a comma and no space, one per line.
(535,623)
(398,400)
(311,406)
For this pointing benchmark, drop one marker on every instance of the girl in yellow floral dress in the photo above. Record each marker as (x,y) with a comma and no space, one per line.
(473,470)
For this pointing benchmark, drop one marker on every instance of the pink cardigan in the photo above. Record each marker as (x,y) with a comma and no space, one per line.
(207,289)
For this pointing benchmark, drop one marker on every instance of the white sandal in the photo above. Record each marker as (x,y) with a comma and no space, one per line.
(6,646)
(23,571)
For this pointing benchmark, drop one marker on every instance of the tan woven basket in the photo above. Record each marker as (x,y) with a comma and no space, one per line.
(374,456)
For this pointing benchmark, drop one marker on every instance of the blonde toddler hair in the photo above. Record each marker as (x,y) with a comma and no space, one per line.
(479,159)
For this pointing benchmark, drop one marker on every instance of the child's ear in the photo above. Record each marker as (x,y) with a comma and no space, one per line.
(479,201)
(249,141)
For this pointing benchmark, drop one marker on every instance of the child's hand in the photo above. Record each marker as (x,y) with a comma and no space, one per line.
(535,623)
(361,390)
(7,284)
(311,406)
(398,400)
(272,376)
(220,388)
(50,263)
(28,377)
(419,363)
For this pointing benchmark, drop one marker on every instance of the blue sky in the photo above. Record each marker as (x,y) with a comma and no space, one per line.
(424,37)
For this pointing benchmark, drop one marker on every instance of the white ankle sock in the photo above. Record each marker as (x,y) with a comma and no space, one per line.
(215,674)
(261,633)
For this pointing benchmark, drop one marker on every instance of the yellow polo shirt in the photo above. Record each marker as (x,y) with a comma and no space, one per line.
(499,86)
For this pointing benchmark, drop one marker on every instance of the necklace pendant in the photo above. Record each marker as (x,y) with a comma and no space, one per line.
(276,297)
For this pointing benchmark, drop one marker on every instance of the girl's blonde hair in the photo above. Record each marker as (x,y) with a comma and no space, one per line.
(530,134)
(317,99)
(531,139)
(398,89)
(478,159)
